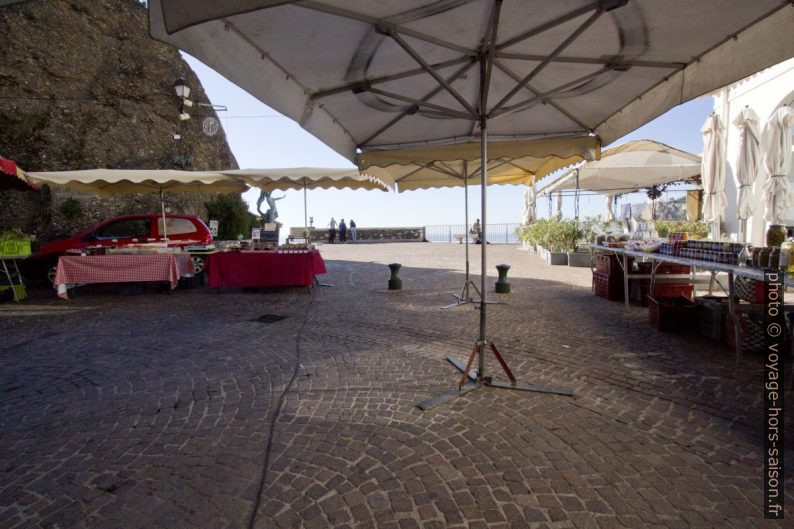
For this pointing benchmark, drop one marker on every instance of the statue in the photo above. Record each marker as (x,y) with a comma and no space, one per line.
(272,213)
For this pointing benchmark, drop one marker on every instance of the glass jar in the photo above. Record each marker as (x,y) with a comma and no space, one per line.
(774,258)
(775,235)
(763,258)
(786,250)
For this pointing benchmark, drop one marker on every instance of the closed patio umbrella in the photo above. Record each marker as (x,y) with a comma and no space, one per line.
(609,214)
(365,76)
(530,195)
(713,173)
(776,146)
(558,207)
(747,164)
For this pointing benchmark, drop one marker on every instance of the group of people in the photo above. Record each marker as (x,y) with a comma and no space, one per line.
(343,229)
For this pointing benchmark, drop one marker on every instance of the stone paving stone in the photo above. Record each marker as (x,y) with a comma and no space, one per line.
(156,411)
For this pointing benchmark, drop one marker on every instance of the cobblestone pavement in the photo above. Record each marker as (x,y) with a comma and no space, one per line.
(191,410)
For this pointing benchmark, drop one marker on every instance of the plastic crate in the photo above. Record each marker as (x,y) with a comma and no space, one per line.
(608,264)
(640,288)
(14,248)
(7,295)
(751,331)
(749,289)
(608,287)
(711,314)
(675,314)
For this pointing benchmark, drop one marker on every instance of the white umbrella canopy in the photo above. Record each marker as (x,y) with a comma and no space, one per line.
(363,75)
(776,146)
(282,179)
(630,167)
(713,173)
(124,181)
(748,160)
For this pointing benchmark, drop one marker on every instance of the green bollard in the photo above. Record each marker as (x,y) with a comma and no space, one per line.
(502,286)
(395,283)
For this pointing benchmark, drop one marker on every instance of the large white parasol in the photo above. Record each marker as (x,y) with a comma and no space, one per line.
(776,146)
(365,76)
(713,173)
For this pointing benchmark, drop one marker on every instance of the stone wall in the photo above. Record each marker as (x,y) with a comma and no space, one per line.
(378,234)
(83,86)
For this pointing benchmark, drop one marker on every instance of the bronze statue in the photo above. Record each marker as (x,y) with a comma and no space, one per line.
(272,213)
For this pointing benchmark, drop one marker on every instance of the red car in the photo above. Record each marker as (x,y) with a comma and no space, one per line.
(186,232)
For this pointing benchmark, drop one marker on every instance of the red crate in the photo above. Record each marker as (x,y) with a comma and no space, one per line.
(749,289)
(639,289)
(608,264)
(677,314)
(608,287)
(672,268)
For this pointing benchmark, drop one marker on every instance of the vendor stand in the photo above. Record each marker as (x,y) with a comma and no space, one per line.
(122,268)
(293,265)
(733,271)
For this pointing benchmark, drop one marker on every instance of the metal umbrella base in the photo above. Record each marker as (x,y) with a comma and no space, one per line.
(471,381)
(465,296)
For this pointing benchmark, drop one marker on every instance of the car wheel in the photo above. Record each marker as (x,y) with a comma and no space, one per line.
(198,264)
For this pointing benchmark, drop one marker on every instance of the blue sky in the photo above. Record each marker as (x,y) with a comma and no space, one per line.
(260,137)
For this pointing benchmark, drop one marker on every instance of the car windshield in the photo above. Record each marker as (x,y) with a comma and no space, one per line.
(126,228)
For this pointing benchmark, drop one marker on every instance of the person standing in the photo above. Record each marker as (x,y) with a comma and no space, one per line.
(342,231)
(331,231)
(476,231)
(353,232)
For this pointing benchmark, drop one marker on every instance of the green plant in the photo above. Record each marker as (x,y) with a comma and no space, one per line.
(696,230)
(71,208)
(233,217)
(555,235)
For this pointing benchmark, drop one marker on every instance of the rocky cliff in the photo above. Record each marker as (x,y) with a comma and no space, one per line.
(82,85)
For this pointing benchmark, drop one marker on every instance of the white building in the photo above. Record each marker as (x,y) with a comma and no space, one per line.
(764,92)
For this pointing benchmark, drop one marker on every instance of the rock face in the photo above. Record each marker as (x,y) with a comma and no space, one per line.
(82,86)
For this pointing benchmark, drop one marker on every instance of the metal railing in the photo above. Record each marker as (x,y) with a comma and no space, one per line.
(495,233)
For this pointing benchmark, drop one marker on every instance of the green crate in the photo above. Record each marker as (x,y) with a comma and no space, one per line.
(19,289)
(14,248)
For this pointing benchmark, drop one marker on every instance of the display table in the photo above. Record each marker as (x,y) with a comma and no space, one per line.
(120,269)
(731,270)
(263,269)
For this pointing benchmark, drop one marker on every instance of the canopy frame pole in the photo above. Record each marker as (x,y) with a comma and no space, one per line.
(305,214)
(480,379)
(162,209)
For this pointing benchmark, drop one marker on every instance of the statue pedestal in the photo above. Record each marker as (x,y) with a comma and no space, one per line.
(270,231)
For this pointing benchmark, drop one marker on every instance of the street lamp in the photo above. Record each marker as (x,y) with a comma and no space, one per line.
(182,92)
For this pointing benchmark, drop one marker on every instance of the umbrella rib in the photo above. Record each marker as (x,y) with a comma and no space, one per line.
(590,60)
(547,26)
(411,110)
(366,83)
(540,97)
(567,42)
(420,103)
(376,22)
(418,58)
(534,92)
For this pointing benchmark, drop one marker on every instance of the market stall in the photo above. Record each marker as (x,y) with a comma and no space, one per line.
(122,268)
(251,269)
(744,279)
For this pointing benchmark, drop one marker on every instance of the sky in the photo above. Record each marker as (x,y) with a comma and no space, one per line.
(260,137)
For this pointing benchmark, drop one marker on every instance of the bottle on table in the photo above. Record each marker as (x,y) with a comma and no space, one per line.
(786,263)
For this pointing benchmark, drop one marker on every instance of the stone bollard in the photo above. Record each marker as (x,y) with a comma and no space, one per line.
(395,283)
(502,286)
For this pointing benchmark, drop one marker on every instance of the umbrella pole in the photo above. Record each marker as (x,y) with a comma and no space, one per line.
(305,213)
(470,381)
(162,209)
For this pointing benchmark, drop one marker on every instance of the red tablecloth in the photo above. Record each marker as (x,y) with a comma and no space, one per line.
(263,269)
(120,269)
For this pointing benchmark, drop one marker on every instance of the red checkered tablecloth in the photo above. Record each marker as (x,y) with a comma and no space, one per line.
(120,269)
